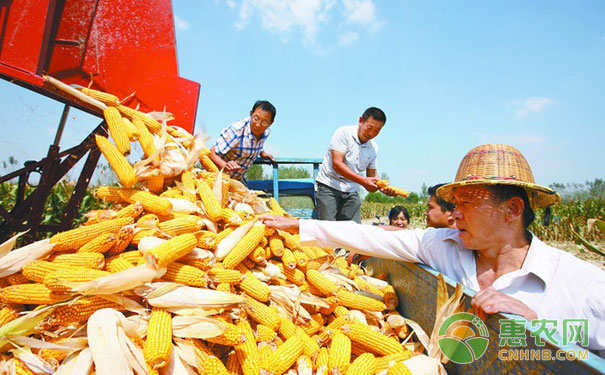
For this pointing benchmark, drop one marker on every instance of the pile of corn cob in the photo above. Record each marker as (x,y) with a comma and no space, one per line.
(180,277)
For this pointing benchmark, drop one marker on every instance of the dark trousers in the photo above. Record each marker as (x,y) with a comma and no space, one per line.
(335,205)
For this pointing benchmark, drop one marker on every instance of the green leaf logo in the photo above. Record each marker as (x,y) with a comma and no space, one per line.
(463,338)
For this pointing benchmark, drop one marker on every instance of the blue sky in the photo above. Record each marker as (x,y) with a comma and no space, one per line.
(450,75)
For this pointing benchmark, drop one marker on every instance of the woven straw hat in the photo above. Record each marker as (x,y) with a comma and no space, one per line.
(499,165)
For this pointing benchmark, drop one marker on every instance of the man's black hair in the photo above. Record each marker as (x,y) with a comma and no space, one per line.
(445,206)
(395,212)
(376,113)
(265,106)
(505,192)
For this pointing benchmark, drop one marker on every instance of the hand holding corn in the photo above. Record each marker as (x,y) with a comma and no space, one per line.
(387,189)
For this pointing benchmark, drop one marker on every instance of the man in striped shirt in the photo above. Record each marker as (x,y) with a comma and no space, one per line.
(242,141)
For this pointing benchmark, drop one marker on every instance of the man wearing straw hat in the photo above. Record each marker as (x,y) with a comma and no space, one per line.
(491,251)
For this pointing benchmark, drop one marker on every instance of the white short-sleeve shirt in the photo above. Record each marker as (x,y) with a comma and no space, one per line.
(358,156)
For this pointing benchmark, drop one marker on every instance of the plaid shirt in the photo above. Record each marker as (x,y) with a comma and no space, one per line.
(237,143)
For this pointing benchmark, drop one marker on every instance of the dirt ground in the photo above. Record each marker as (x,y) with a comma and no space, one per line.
(577,250)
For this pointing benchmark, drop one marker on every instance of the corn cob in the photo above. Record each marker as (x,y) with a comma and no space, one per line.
(310,346)
(375,342)
(210,364)
(108,99)
(247,352)
(382,363)
(132,210)
(79,310)
(284,357)
(37,270)
(17,278)
(384,184)
(150,202)
(230,217)
(209,201)
(261,313)
(365,364)
(222,234)
(232,364)
(339,354)
(148,221)
(321,282)
(390,297)
(232,336)
(222,275)
(359,302)
(275,207)
(145,138)
(118,264)
(131,131)
(109,194)
(288,259)
(258,255)
(322,358)
(76,238)
(37,294)
(88,260)
(264,333)
(203,264)
(244,247)
(117,161)
(264,349)
(295,275)
(187,180)
(158,345)
(9,313)
(155,182)
(255,288)
(180,225)
(341,311)
(123,239)
(276,244)
(185,274)
(399,369)
(99,244)
(208,164)
(60,280)
(153,125)
(173,249)
(134,257)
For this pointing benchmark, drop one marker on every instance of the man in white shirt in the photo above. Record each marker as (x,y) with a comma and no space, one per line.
(491,251)
(351,155)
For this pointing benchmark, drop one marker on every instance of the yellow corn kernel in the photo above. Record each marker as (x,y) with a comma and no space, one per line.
(230,217)
(222,275)
(339,354)
(211,205)
(132,210)
(60,280)
(261,313)
(109,194)
(291,241)
(118,264)
(9,313)
(288,259)
(244,247)
(148,221)
(247,352)
(321,282)
(76,238)
(364,285)
(264,333)
(181,224)
(232,336)
(310,346)
(382,363)
(399,368)
(99,244)
(255,288)
(88,260)
(185,274)
(17,278)
(36,270)
(275,207)
(390,297)
(117,131)
(222,234)
(202,264)
(145,138)
(35,294)
(123,239)
(189,184)
(153,125)
(158,345)
(131,131)
(208,164)
(115,155)
(383,184)
(206,239)
(295,275)
(373,341)
(284,357)
(322,358)
(155,182)
(150,202)
(258,255)
(108,99)
(80,310)
(359,302)
(276,245)
(173,249)
(365,364)
(210,364)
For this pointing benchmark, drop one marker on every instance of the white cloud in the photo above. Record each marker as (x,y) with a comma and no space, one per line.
(533,104)
(348,38)
(285,18)
(180,23)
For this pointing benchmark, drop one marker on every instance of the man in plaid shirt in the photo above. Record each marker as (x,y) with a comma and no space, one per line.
(242,141)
